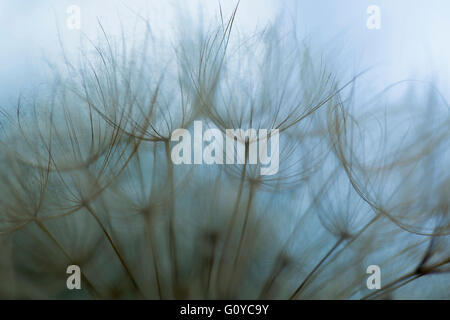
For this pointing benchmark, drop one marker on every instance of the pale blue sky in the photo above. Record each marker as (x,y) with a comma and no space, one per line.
(413,41)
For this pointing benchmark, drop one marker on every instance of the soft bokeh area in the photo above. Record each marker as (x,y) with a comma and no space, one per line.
(411,44)
(87,149)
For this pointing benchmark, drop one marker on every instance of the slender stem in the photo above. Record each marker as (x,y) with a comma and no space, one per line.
(395,284)
(278,268)
(155,260)
(243,232)
(305,281)
(400,282)
(114,247)
(172,236)
(210,269)
(350,241)
(152,239)
(92,289)
(233,221)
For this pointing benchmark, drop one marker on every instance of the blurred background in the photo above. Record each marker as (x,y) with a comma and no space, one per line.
(397,152)
(412,42)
